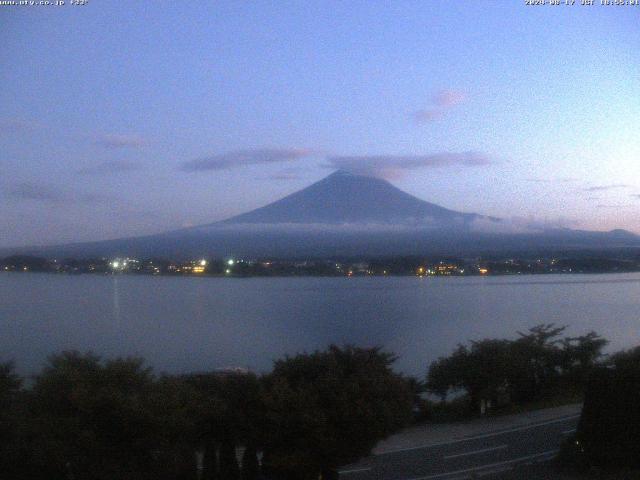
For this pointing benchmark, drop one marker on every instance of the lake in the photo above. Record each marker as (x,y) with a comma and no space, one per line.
(182,324)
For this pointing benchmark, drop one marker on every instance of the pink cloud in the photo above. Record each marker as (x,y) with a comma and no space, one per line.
(448,98)
(441,102)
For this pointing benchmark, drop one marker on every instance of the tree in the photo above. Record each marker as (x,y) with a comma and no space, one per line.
(523,368)
(536,356)
(608,433)
(178,410)
(229,469)
(329,408)
(481,370)
(10,385)
(448,373)
(250,466)
(10,389)
(488,371)
(579,355)
(91,419)
(627,361)
(231,415)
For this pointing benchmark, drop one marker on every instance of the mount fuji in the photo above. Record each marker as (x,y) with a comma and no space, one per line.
(346,198)
(346,214)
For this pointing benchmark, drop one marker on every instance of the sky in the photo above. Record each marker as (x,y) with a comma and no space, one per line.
(130,118)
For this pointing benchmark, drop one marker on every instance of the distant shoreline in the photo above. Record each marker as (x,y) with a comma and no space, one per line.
(218,276)
(408,266)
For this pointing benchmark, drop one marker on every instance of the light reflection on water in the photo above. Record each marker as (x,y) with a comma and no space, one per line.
(185,324)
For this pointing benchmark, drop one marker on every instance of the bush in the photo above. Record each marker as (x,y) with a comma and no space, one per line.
(329,408)
(87,418)
(609,428)
(520,371)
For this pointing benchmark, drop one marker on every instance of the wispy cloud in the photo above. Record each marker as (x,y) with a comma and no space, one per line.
(109,141)
(538,180)
(50,194)
(109,167)
(291,173)
(285,176)
(603,188)
(427,115)
(448,98)
(518,224)
(240,158)
(392,166)
(441,102)
(113,141)
(31,191)
(602,205)
(14,125)
(551,180)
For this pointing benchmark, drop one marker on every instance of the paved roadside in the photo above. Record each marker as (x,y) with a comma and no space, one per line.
(467,449)
(550,471)
(432,434)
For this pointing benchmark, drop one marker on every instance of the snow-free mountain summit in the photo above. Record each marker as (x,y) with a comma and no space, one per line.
(346,215)
(346,198)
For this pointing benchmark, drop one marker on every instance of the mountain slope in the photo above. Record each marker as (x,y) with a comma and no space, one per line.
(345,198)
(345,215)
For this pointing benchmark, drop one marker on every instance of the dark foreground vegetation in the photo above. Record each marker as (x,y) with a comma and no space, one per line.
(608,435)
(493,374)
(83,417)
(541,368)
(606,445)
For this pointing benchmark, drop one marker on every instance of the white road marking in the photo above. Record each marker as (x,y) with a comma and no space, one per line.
(476,437)
(490,449)
(354,470)
(489,465)
(567,432)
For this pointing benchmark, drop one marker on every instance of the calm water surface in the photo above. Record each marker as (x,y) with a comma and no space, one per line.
(181,324)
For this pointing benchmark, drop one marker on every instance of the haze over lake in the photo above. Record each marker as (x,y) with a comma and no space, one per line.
(194,324)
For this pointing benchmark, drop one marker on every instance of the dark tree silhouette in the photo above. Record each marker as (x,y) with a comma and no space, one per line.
(329,408)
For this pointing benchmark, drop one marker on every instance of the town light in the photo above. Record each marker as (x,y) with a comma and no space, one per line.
(203,263)
(230,261)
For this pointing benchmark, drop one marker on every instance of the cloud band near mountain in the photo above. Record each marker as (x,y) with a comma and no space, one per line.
(392,166)
(53,195)
(604,188)
(120,141)
(240,158)
(109,167)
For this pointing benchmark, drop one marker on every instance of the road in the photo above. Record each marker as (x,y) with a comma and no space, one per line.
(469,457)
